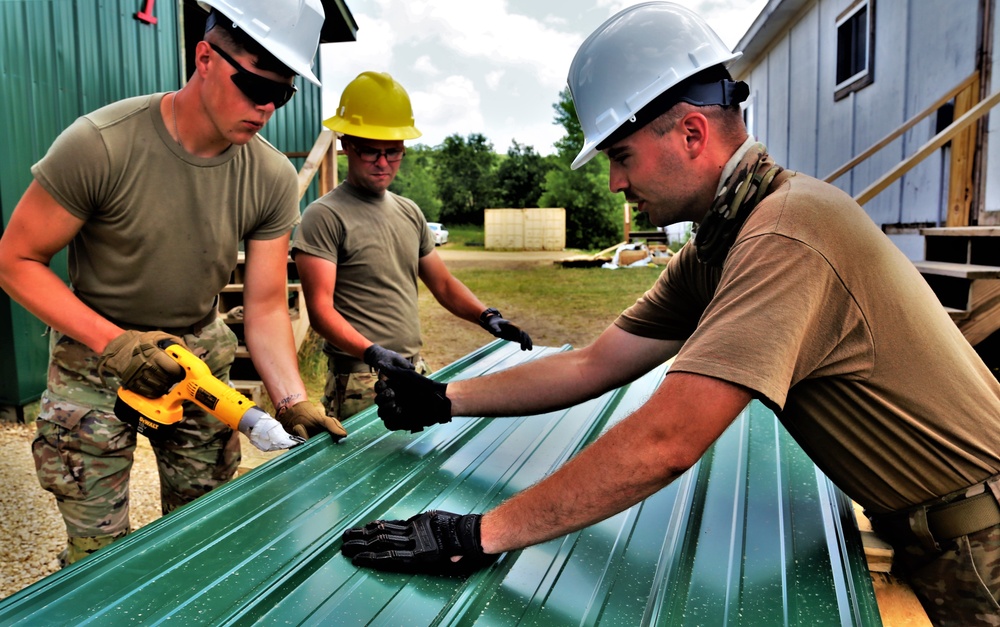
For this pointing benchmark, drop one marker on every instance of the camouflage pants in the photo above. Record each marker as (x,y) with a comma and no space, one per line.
(346,394)
(959,585)
(83,453)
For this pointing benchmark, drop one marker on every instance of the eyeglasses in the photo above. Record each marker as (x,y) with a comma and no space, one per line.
(255,87)
(371,155)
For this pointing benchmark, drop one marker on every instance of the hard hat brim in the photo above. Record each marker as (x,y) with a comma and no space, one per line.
(368,131)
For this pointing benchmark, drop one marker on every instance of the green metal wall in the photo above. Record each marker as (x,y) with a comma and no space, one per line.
(60,59)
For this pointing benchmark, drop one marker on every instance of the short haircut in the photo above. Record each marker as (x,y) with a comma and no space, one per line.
(227,32)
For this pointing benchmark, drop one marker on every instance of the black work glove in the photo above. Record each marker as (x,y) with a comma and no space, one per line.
(424,543)
(494,322)
(306,419)
(407,400)
(379,358)
(135,357)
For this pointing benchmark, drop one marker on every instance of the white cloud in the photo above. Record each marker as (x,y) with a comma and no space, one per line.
(493,78)
(424,65)
(485,30)
(445,108)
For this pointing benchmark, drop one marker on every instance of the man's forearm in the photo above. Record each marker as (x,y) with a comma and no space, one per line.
(638,456)
(334,328)
(562,379)
(272,348)
(542,385)
(620,469)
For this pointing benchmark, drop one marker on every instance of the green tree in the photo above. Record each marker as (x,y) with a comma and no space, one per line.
(521,177)
(416,180)
(466,178)
(593,212)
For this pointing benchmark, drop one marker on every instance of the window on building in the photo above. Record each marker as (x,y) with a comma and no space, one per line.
(855,48)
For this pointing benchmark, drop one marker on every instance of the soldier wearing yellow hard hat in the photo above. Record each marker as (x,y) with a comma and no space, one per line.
(360,249)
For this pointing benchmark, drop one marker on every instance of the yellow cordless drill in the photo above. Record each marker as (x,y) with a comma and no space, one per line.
(154,417)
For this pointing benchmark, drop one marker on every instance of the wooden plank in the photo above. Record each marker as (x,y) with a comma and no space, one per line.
(897,603)
(984,318)
(963,152)
(885,141)
(316,156)
(898,606)
(957,314)
(942,138)
(962,231)
(961,270)
(254,390)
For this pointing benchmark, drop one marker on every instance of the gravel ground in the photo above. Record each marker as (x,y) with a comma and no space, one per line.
(33,531)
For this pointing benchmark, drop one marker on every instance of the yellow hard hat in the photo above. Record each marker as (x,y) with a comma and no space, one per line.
(374,106)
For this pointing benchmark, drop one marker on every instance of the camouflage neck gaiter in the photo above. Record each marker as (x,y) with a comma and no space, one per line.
(742,191)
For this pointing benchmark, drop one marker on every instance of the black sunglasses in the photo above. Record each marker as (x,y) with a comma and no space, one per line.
(255,87)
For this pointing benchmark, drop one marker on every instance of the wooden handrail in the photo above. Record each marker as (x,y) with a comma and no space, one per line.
(970,117)
(316,156)
(879,145)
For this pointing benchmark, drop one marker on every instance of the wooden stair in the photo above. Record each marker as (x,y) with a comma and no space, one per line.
(962,266)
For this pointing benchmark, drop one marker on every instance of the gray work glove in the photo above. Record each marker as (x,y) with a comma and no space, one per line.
(407,400)
(424,543)
(306,419)
(379,358)
(494,322)
(135,357)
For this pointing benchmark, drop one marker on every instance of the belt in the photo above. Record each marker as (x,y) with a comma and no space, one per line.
(977,509)
(191,329)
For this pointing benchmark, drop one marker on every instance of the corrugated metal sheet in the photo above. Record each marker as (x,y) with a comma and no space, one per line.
(753,535)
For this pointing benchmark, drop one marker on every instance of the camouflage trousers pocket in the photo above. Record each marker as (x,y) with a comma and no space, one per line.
(83,457)
(961,585)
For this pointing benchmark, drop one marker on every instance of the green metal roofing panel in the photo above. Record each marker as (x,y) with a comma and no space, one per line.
(752,535)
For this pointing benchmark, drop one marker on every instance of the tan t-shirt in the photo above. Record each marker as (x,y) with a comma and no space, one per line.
(377,243)
(163,227)
(826,320)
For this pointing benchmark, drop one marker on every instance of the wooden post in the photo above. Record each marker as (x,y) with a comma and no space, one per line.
(963,150)
(628,219)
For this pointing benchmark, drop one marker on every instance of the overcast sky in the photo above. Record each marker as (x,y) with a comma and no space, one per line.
(494,67)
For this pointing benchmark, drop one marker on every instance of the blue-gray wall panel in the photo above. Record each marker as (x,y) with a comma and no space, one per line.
(804,95)
(921,51)
(778,114)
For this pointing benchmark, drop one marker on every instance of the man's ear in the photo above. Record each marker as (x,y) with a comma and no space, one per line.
(695,128)
(201,57)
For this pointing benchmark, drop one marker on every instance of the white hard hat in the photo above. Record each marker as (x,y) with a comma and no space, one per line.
(288,29)
(636,55)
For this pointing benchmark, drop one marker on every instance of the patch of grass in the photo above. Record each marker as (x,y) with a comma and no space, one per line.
(573,294)
(464,237)
(555,305)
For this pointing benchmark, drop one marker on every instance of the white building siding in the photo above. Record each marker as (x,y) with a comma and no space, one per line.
(922,50)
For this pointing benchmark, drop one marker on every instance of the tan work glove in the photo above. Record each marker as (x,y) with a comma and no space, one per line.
(306,419)
(143,367)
